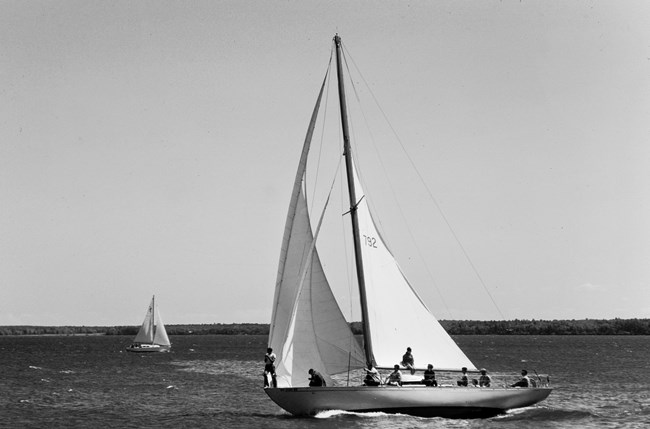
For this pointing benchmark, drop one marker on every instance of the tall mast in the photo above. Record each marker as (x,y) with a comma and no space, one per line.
(367,343)
(153,319)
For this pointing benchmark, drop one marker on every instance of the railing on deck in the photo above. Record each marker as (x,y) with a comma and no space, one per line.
(445,378)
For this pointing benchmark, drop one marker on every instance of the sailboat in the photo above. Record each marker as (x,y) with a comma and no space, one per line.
(152,336)
(308,329)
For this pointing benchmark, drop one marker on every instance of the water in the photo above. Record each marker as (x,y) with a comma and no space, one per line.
(215,382)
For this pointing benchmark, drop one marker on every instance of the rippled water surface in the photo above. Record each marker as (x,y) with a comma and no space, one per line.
(215,382)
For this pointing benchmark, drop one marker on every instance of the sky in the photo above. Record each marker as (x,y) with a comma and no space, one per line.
(149,147)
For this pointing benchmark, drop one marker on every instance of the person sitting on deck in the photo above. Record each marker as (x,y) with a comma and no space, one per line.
(316,379)
(407,361)
(372,377)
(464,381)
(525,380)
(484,380)
(395,377)
(429,376)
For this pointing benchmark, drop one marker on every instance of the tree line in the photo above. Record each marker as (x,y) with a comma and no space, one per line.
(454,327)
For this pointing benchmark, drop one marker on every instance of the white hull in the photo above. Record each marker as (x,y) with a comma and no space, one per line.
(147,348)
(458,402)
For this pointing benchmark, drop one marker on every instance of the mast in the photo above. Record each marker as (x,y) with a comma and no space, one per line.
(153,319)
(367,343)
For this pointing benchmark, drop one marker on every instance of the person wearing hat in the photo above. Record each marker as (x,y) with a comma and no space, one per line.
(484,380)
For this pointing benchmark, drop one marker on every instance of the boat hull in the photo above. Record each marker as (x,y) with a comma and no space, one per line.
(451,402)
(148,348)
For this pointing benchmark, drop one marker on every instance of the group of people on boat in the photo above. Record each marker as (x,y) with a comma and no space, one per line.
(483,381)
(315,377)
(373,378)
(395,378)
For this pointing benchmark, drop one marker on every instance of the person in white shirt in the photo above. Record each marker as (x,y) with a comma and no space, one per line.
(395,377)
(269,368)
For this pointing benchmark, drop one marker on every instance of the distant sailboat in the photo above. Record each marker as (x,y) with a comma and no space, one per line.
(152,336)
(308,329)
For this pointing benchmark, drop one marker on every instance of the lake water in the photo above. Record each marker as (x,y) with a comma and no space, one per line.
(215,382)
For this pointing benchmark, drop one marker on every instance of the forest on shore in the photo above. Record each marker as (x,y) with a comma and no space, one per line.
(454,327)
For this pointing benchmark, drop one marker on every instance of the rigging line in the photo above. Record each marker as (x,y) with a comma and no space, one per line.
(435,201)
(312,248)
(390,184)
(322,134)
(349,268)
(349,259)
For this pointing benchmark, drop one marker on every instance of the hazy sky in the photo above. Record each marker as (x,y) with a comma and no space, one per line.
(150,147)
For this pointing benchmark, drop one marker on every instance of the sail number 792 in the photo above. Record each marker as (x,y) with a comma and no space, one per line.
(370,241)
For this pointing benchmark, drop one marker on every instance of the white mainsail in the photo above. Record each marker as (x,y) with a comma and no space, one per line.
(145,334)
(397,316)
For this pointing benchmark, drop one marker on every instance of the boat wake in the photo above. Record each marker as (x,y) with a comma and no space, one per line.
(526,414)
(336,413)
(542,413)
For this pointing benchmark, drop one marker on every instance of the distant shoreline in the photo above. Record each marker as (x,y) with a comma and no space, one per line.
(454,327)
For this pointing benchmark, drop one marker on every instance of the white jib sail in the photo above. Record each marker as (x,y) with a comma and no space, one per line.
(308,329)
(397,316)
(317,335)
(160,336)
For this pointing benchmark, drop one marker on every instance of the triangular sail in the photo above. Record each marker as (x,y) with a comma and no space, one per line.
(160,336)
(308,329)
(146,333)
(319,337)
(397,316)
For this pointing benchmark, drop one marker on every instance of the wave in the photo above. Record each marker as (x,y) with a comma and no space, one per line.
(220,367)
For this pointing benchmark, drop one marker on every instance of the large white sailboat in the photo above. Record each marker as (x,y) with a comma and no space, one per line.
(152,336)
(308,329)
